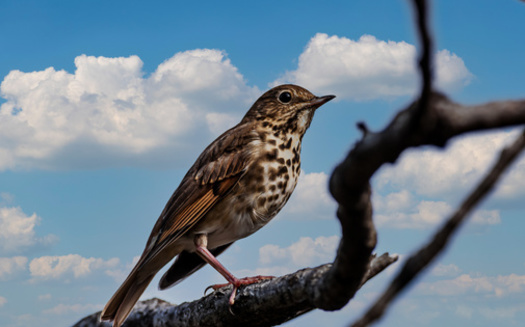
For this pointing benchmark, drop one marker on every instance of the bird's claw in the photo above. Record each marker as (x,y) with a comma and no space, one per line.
(236,284)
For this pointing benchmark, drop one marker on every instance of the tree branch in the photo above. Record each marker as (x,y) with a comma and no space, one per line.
(422,258)
(264,304)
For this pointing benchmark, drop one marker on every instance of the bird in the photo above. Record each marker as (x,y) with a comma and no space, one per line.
(235,187)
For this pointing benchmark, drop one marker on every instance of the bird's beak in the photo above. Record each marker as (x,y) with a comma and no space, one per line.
(319,101)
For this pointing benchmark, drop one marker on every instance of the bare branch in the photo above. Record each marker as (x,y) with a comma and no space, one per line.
(425,60)
(265,304)
(417,262)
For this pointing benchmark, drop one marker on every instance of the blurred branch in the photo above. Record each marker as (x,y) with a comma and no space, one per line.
(422,258)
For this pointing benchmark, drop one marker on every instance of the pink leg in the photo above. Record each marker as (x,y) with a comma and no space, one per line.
(201,242)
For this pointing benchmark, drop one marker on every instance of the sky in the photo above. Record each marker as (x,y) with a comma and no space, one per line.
(104,105)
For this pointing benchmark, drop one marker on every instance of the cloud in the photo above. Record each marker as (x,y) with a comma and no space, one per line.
(68,266)
(399,210)
(369,68)
(62,309)
(445,270)
(3,301)
(499,286)
(305,252)
(108,112)
(10,267)
(310,198)
(436,173)
(17,231)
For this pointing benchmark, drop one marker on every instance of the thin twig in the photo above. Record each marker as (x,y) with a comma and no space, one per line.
(417,262)
(425,60)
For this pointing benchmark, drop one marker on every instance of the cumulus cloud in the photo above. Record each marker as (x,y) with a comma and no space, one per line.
(369,68)
(305,252)
(427,214)
(108,112)
(498,286)
(10,267)
(436,173)
(68,266)
(310,198)
(445,270)
(17,231)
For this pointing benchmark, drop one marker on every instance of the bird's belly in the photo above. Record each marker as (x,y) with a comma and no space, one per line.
(230,221)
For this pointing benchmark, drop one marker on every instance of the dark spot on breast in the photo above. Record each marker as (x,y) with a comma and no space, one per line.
(261,189)
(280,160)
(272,155)
(265,124)
(288,162)
(272,174)
(272,142)
(282,170)
(261,201)
(272,188)
(280,185)
(295,158)
(286,145)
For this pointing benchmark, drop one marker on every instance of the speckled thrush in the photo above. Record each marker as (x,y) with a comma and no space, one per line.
(240,182)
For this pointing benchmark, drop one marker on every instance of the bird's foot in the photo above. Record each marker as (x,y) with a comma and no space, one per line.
(238,283)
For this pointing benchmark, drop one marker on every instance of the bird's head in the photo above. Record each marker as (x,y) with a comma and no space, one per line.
(286,105)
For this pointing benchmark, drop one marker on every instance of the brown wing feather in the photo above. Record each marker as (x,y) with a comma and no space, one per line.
(211,178)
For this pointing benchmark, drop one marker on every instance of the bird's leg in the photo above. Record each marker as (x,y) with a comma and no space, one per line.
(201,244)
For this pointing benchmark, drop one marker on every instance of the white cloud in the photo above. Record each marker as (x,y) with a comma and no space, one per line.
(67,266)
(432,172)
(17,231)
(311,198)
(3,301)
(485,285)
(406,214)
(107,112)
(445,270)
(369,68)
(10,267)
(62,309)
(305,252)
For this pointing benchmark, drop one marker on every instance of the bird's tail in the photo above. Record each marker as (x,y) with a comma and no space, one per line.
(120,305)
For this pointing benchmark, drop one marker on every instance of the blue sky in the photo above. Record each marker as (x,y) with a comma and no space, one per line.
(105,105)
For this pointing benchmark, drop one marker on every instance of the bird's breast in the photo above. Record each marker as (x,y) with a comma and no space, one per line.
(259,195)
(276,173)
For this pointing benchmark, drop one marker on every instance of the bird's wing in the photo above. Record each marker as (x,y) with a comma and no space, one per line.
(210,179)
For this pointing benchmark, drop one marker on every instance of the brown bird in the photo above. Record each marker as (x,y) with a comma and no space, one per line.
(240,182)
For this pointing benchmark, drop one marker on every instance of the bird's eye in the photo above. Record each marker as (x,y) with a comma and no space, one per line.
(285,97)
